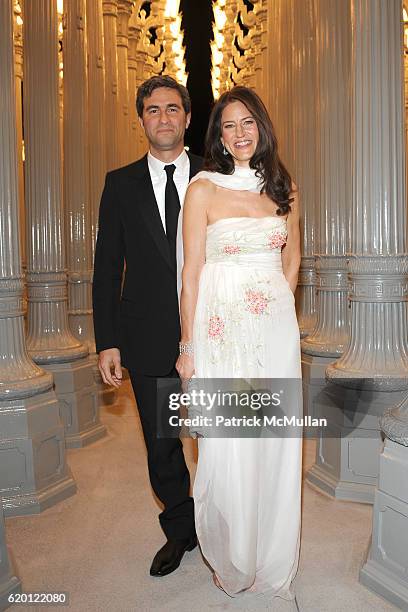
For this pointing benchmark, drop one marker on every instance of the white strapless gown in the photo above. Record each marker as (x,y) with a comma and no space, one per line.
(247,491)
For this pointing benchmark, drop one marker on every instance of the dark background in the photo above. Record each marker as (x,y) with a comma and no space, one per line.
(197,26)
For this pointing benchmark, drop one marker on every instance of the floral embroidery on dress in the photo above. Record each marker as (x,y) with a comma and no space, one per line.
(232,321)
(215,327)
(256,302)
(231,249)
(277,239)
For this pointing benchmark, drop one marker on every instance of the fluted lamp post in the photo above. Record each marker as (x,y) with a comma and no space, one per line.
(380,279)
(243,47)
(138,42)
(50,340)
(110,19)
(124,11)
(170,17)
(78,152)
(372,373)
(178,50)
(18,59)
(217,56)
(33,470)
(218,82)
(173,42)
(332,191)
(373,370)
(143,54)
(231,11)
(96,111)
(263,77)
(405,25)
(305,158)
(217,59)
(134,31)
(215,81)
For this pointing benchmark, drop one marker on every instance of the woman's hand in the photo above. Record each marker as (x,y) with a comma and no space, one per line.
(185,367)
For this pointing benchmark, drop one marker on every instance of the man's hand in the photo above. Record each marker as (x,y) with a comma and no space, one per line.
(110,360)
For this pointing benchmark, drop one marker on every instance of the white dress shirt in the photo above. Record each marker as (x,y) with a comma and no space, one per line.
(181,179)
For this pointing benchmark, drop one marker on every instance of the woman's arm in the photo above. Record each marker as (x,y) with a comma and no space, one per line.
(291,251)
(194,239)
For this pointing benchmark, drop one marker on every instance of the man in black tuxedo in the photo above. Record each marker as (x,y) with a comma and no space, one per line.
(138,325)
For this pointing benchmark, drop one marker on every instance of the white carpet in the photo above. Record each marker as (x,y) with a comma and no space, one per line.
(98,545)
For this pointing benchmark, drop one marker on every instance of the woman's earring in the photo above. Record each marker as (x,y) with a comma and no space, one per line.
(225,152)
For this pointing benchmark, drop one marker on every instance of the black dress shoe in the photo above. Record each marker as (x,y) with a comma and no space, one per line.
(168,558)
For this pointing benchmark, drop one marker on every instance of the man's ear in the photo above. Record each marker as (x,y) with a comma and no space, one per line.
(141,122)
(188,120)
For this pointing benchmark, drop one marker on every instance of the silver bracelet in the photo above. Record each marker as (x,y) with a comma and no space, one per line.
(186,348)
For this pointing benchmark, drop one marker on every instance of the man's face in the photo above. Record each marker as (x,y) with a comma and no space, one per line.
(164,119)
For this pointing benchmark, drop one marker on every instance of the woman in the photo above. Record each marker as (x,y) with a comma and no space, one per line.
(238,320)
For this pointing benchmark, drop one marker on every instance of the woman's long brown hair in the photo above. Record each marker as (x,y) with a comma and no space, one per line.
(277,183)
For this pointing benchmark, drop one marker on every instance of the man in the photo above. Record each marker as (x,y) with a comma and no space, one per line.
(138,325)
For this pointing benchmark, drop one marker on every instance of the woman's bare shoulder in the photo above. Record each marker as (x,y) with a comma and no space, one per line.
(202,187)
(199,193)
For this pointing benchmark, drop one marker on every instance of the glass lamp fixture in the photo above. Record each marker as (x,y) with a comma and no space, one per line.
(220,17)
(217,55)
(177,47)
(181,77)
(217,46)
(174,50)
(179,62)
(216,83)
(172,8)
(219,39)
(17,12)
(175,26)
(405,20)
(176,63)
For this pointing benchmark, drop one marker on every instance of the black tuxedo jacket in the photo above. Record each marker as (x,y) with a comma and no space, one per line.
(140,316)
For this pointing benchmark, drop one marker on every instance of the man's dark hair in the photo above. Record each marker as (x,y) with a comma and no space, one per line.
(147,88)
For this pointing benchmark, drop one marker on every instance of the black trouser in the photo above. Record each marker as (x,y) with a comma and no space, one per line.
(169,476)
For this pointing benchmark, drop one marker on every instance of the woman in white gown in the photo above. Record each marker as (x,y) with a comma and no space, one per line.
(238,320)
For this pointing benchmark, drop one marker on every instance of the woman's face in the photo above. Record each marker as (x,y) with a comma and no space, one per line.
(239,132)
